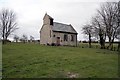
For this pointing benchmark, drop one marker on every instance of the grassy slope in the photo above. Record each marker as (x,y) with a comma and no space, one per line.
(0,59)
(35,61)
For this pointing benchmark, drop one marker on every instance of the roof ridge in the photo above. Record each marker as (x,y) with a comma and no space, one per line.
(62,23)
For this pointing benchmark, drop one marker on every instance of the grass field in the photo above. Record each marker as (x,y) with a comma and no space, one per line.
(0,59)
(37,61)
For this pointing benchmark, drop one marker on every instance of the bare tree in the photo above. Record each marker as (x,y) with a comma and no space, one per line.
(109,14)
(118,37)
(8,23)
(117,14)
(24,38)
(16,38)
(99,30)
(31,38)
(87,30)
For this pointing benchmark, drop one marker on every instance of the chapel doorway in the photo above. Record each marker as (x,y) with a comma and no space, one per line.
(58,41)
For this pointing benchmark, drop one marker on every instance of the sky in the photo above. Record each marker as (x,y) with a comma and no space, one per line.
(30,14)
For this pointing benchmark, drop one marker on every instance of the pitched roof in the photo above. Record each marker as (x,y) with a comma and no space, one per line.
(47,15)
(63,27)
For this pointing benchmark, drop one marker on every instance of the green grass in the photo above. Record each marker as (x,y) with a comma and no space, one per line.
(37,61)
(0,59)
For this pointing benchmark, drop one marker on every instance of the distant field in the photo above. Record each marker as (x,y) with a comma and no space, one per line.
(37,61)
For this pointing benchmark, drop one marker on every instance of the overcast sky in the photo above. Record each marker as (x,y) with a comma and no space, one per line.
(30,13)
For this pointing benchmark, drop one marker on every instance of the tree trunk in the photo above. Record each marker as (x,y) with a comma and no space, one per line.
(89,40)
(3,42)
(111,46)
(102,41)
(103,44)
(110,43)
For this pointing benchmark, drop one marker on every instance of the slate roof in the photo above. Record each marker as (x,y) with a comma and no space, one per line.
(60,27)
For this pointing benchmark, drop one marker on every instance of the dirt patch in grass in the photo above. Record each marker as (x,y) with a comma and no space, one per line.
(72,75)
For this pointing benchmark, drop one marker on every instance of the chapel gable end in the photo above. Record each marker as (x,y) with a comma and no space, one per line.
(47,20)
